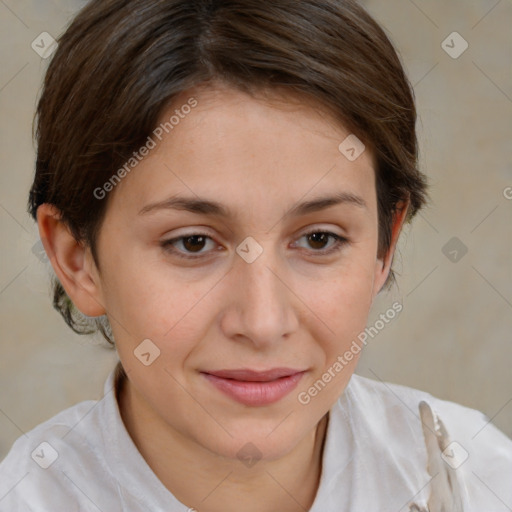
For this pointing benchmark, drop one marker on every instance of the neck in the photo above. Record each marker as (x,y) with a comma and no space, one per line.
(208,482)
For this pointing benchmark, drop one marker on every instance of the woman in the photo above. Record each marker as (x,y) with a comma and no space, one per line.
(220,187)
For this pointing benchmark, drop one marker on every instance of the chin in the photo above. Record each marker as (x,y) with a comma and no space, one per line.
(255,441)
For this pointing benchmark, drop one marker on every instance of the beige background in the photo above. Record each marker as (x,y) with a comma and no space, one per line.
(454,335)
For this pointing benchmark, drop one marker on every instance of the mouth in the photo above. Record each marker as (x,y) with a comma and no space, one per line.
(255,388)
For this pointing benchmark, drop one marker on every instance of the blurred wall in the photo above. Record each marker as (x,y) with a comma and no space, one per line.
(453,337)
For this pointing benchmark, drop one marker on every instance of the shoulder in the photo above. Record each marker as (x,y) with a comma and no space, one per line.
(50,430)
(395,401)
(39,469)
(480,452)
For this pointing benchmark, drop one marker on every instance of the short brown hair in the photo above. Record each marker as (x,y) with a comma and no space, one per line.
(121,62)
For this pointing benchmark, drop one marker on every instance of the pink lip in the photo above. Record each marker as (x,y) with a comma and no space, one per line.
(255,388)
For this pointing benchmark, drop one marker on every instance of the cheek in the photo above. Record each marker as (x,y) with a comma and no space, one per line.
(342,302)
(144,301)
(343,308)
(343,296)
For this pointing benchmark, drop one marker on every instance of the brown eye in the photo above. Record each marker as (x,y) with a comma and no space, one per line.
(191,244)
(318,240)
(194,243)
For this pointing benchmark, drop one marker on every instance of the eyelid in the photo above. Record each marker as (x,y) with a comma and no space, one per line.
(320,229)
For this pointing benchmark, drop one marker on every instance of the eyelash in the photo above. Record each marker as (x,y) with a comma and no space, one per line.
(340,242)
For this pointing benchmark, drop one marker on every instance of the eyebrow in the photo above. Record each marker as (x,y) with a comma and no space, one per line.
(214,208)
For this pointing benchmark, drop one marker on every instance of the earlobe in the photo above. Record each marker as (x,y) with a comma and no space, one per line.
(71,261)
(383,266)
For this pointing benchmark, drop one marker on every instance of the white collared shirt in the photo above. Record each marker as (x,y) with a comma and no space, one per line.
(374,459)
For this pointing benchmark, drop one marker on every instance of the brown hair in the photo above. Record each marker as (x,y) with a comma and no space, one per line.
(121,62)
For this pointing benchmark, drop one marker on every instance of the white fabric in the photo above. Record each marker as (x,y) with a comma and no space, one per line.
(374,458)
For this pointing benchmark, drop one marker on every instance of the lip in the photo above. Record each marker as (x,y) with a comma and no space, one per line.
(255,388)
(248,375)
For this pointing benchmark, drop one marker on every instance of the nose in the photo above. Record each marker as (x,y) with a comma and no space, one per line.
(262,307)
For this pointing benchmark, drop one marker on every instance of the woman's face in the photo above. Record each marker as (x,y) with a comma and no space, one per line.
(244,285)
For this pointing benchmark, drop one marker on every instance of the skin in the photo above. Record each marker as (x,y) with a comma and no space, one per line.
(293,306)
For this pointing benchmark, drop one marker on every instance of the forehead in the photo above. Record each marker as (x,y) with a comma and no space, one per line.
(246,150)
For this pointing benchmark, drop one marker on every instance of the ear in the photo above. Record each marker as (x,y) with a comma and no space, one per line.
(383,265)
(72,262)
